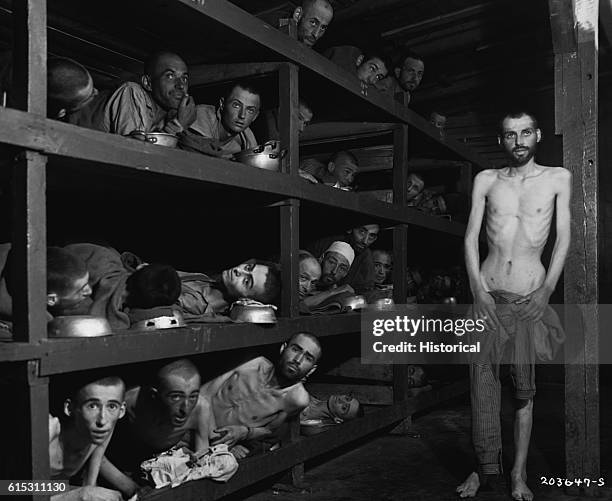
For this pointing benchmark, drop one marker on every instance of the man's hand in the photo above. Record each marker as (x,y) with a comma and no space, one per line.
(93,493)
(186,113)
(484,308)
(239,451)
(230,435)
(535,304)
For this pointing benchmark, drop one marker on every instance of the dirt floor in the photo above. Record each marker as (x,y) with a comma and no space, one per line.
(430,464)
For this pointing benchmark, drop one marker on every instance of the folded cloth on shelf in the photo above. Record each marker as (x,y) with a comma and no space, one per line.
(107,278)
(177,466)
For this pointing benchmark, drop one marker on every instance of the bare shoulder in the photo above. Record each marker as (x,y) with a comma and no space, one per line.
(560,177)
(54,428)
(300,398)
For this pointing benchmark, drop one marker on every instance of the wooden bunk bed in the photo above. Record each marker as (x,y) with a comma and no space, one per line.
(47,148)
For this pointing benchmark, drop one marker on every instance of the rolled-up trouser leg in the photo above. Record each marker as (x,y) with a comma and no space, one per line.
(485,393)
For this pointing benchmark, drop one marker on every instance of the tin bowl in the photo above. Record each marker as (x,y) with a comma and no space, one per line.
(158,138)
(264,156)
(247,310)
(163,322)
(78,326)
(353,302)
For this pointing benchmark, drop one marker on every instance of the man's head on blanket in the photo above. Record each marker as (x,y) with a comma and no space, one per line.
(298,357)
(67,281)
(175,392)
(153,285)
(258,280)
(94,407)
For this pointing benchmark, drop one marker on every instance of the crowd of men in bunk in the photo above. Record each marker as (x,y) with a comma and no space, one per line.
(249,404)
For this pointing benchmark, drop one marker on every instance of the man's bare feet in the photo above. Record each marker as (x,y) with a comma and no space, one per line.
(469,488)
(519,488)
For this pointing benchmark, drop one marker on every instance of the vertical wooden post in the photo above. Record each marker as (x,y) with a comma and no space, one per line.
(288,116)
(290,221)
(29,237)
(574,30)
(400,256)
(290,218)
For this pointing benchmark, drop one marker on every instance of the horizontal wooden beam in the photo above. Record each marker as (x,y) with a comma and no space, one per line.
(202,74)
(353,368)
(258,468)
(94,150)
(124,347)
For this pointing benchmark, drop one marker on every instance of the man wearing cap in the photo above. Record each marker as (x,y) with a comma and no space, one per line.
(335,264)
(361,274)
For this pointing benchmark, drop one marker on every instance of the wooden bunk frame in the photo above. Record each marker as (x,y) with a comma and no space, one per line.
(32,358)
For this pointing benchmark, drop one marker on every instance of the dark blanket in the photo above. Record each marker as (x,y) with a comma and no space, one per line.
(107,277)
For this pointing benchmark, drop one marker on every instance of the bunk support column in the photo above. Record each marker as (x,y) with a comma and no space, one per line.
(574,28)
(289,248)
(29,176)
(288,120)
(400,256)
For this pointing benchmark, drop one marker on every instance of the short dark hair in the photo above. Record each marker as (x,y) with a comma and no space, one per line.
(344,153)
(153,285)
(384,251)
(370,54)
(303,255)
(63,269)
(243,84)
(310,336)
(182,367)
(272,285)
(408,54)
(516,113)
(96,377)
(151,60)
(66,78)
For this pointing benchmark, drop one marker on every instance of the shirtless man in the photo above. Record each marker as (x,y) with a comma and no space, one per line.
(81,440)
(520,201)
(160,416)
(254,399)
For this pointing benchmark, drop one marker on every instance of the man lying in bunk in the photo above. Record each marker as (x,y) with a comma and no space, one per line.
(383,264)
(121,294)
(334,409)
(369,68)
(335,264)
(166,412)
(406,77)
(339,172)
(312,18)
(252,401)
(160,102)
(361,273)
(72,96)
(79,438)
(225,130)
(305,116)
(202,297)
(310,273)
(68,289)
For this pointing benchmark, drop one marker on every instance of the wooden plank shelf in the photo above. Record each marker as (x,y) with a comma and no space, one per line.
(258,468)
(221,14)
(126,347)
(93,150)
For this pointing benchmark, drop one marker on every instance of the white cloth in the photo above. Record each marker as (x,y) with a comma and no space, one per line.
(343,249)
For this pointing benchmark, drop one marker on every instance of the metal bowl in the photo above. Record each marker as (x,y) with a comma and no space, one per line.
(264,156)
(247,310)
(79,326)
(353,302)
(163,322)
(384,304)
(159,138)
